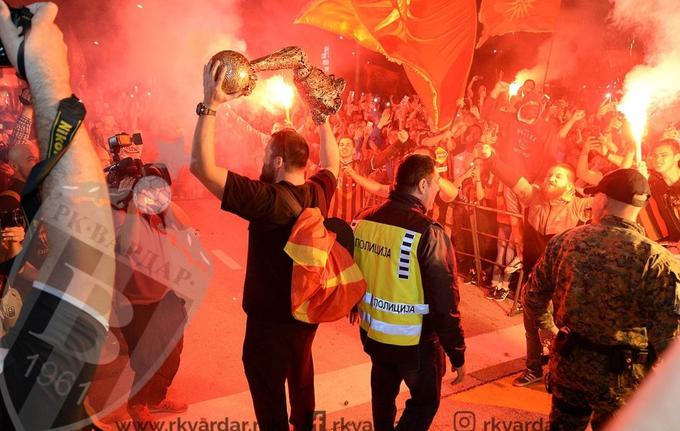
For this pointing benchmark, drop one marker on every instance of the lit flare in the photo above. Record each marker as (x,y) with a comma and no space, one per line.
(635,105)
(514,88)
(274,94)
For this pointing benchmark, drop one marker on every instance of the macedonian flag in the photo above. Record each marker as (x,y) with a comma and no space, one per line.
(433,39)
(508,16)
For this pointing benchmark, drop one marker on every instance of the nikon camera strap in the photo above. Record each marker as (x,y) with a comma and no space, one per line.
(70,115)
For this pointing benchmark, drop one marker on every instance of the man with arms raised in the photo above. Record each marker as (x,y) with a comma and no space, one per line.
(276,348)
(551,208)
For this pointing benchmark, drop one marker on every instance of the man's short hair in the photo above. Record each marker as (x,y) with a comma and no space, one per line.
(347,138)
(569,168)
(675,146)
(413,169)
(292,147)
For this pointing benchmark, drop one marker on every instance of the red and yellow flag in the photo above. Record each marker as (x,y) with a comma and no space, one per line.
(326,282)
(499,17)
(433,39)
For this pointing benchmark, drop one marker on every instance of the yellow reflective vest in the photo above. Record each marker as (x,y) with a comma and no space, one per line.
(393,307)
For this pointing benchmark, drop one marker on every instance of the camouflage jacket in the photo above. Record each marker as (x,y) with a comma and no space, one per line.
(612,285)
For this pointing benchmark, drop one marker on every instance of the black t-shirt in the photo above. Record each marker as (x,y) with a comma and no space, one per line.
(266,294)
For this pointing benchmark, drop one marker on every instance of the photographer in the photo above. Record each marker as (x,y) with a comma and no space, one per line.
(49,356)
(144,219)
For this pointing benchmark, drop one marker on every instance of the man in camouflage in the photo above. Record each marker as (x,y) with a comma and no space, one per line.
(616,300)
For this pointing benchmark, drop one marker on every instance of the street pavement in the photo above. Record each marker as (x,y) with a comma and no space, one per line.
(212,382)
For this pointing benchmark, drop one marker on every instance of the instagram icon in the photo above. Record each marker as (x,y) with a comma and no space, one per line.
(464,421)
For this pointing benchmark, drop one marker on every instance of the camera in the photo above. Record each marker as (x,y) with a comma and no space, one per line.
(12,218)
(126,151)
(123,145)
(21,17)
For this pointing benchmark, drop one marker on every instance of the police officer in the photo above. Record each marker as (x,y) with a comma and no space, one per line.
(615,294)
(410,310)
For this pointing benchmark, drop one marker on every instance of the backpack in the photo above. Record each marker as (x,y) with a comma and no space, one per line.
(326,283)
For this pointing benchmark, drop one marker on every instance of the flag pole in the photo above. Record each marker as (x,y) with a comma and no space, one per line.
(357,67)
(547,64)
(550,52)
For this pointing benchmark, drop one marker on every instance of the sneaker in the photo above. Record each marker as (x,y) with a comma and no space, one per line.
(528,377)
(501,294)
(470,276)
(498,294)
(514,266)
(169,406)
(139,413)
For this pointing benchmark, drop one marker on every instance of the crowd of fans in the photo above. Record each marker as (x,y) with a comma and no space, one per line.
(527,131)
(523,127)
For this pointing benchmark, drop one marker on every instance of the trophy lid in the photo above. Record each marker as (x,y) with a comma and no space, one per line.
(239,76)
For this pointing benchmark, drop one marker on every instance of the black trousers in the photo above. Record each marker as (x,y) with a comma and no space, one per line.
(52,357)
(154,338)
(273,353)
(424,384)
(534,345)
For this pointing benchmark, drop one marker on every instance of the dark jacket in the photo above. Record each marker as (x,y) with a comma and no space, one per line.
(438,271)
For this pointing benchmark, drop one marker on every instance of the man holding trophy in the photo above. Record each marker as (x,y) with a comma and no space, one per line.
(277,348)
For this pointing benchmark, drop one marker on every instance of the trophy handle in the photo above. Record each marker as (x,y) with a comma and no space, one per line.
(291,57)
(322,92)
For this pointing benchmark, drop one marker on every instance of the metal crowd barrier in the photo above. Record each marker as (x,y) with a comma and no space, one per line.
(472,210)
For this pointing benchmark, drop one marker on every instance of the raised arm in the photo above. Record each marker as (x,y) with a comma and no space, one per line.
(449,190)
(72,249)
(329,154)
(508,176)
(391,151)
(583,170)
(370,185)
(432,141)
(610,151)
(203,164)
(566,128)
(470,91)
(489,110)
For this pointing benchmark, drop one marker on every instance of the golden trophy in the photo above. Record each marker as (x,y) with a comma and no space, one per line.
(322,92)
